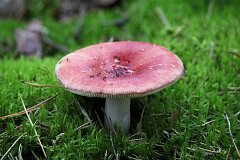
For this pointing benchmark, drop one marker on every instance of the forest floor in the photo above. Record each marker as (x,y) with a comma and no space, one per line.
(196,118)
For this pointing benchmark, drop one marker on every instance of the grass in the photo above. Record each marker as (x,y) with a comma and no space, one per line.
(188,120)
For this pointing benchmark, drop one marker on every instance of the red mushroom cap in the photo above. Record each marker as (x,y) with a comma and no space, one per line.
(119,69)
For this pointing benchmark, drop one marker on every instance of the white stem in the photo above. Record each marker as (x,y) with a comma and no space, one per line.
(117,112)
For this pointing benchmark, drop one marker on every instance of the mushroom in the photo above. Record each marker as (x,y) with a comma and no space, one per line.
(119,71)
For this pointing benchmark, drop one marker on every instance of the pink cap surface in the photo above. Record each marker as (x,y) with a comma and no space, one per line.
(119,69)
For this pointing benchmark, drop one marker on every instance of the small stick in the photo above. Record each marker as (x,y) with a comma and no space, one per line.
(85,113)
(234,52)
(236,114)
(105,155)
(211,50)
(115,22)
(31,108)
(82,12)
(20,152)
(85,125)
(234,88)
(211,151)
(204,124)
(100,121)
(210,9)
(10,156)
(137,140)
(134,158)
(162,17)
(111,39)
(230,132)
(179,30)
(141,118)
(158,114)
(40,143)
(54,44)
(114,151)
(35,155)
(58,137)
(228,154)
(41,85)
(12,146)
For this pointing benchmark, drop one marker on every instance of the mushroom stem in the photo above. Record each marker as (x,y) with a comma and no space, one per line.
(117,112)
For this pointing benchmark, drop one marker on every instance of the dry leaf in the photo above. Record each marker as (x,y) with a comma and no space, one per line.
(29,41)
(12,9)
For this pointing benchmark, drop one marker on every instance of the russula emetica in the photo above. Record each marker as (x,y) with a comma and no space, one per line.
(119,71)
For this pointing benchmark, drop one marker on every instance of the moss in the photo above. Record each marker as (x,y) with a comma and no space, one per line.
(175,119)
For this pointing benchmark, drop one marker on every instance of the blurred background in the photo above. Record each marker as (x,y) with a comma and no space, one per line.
(66,25)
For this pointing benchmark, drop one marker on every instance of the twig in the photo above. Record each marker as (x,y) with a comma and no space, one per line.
(41,85)
(58,137)
(211,151)
(206,150)
(162,17)
(230,132)
(234,52)
(158,114)
(137,140)
(35,155)
(10,157)
(179,30)
(175,131)
(141,118)
(228,92)
(210,9)
(118,156)
(137,134)
(159,145)
(99,120)
(20,152)
(236,114)
(234,88)
(115,22)
(31,108)
(134,158)
(81,16)
(211,53)
(85,113)
(12,145)
(85,125)
(111,139)
(159,154)
(40,143)
(111,39)
(54,44)
(191,149)
(105,155)
(155,125)
(206,123)
(228,154)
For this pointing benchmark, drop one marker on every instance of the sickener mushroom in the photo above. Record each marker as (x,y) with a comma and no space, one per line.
(119,71)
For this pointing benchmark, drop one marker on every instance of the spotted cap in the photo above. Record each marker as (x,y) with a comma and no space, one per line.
(119,69)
